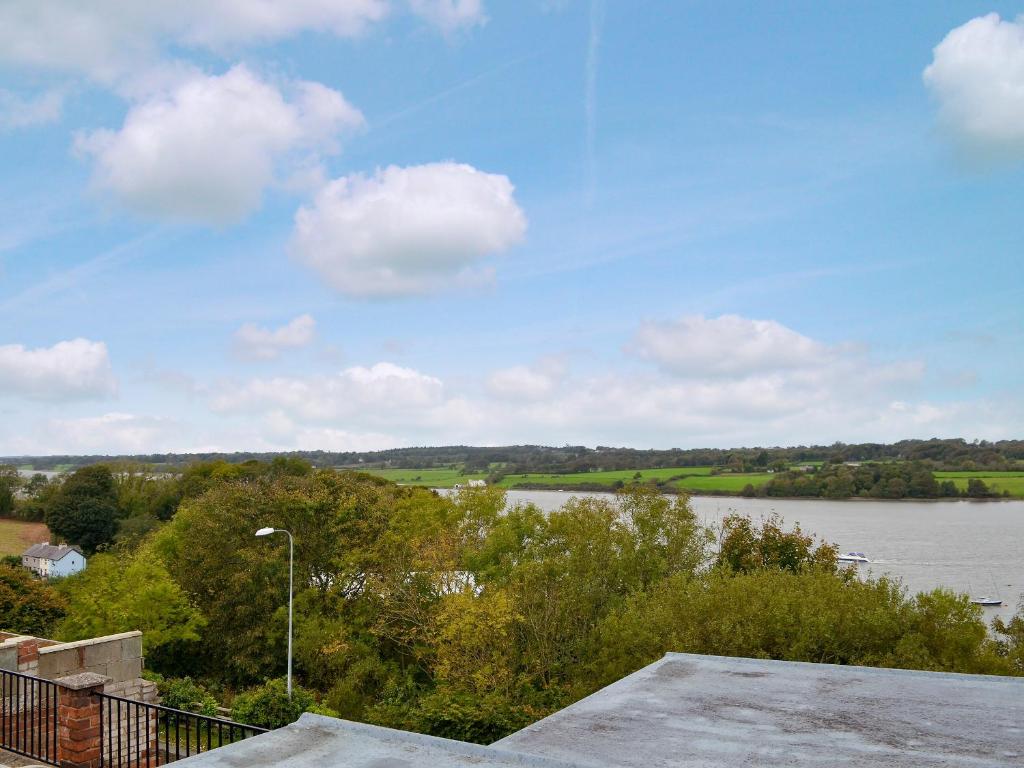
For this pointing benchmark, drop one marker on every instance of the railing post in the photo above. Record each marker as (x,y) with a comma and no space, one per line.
(78,720)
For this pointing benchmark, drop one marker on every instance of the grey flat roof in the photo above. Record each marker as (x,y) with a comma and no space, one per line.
(692,711)
(326,742)
(710,711)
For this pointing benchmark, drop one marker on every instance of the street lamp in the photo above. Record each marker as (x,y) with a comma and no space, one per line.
(291,559)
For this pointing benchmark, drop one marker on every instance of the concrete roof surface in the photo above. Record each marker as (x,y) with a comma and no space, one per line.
(712,712)
(690,711)
(316,741)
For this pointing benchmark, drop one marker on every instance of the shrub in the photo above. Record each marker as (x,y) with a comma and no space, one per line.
(268,705)
(185,694)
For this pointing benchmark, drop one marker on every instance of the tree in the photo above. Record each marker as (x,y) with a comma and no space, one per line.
(28,606)
(10,482)
(122,593)
(978,489)
(268,706)
(85,510)
(744,547)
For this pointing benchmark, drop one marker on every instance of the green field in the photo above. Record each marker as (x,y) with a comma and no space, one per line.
(433,478)
(603,478)
(17,536)
(722,483)
(1012,482)
(692,479)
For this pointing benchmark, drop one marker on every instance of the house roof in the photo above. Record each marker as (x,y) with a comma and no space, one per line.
(687,711)
(49,551)
(711,711)
(325,742)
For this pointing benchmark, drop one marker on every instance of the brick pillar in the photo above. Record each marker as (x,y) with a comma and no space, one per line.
(28,655)
(78,720)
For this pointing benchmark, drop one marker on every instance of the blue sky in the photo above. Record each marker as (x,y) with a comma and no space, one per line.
(358,224)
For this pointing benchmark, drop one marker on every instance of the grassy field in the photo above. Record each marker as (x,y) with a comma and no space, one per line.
(722,483)
(16,536)
(604,478)
(433,478)
(693,479)
(1013,482)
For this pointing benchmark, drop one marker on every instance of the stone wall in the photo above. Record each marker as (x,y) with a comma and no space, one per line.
(118,657)
(112,664)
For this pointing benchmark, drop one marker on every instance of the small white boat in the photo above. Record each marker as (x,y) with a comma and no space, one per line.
(853,557)
(987,601)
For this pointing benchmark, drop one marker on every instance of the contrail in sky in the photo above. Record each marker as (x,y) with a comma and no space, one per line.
(590,94)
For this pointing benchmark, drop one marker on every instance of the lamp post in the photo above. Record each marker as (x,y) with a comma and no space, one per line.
(291,560)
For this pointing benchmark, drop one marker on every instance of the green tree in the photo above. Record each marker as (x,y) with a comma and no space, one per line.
(745,546)
(268,705)
(85,510)
(28,606)
(119,592)
(10,482)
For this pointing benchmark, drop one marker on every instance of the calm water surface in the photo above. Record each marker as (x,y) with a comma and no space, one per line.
(969,546)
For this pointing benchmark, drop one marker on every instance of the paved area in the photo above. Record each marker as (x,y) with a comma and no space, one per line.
(11,760)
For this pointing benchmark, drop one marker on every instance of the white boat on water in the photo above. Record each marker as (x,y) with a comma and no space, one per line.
(853,557)
(987,601)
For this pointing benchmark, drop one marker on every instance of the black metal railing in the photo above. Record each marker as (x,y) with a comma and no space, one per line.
(28,716)
(135,734)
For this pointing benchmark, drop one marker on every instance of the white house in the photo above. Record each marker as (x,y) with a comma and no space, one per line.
(52,561)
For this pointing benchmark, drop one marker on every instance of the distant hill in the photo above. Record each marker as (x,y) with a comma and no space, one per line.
(950,454)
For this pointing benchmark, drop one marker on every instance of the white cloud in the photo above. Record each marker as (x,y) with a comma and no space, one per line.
(450,15)
(114,433)
(108,39)
(407,231)
(207,150)
(821,394)
(19,112)
(68,370)
(266,344)
(977,76)
(521,382)
(728,345)
(382,393)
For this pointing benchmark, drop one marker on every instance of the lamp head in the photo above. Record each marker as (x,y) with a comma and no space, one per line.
(264,531)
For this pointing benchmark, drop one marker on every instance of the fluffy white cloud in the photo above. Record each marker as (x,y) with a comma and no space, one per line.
(407,230)
(206,150)
(450,15)
(977,76)
(114,433)
(820,395)
(521,382)
(266,344)
(108,39)
(68,370)
(19,112)
(725,346)
(380,394)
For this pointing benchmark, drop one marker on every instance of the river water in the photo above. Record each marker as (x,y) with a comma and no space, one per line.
(969,546)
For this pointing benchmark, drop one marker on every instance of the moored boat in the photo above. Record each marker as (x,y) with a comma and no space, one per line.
(853,557)
(987,601)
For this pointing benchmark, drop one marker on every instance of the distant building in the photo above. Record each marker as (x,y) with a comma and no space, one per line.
(53,560)
(472,484)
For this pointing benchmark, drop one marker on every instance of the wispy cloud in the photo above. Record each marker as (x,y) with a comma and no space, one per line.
(590,95)
(17,111)
(74,276)
(412,109)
